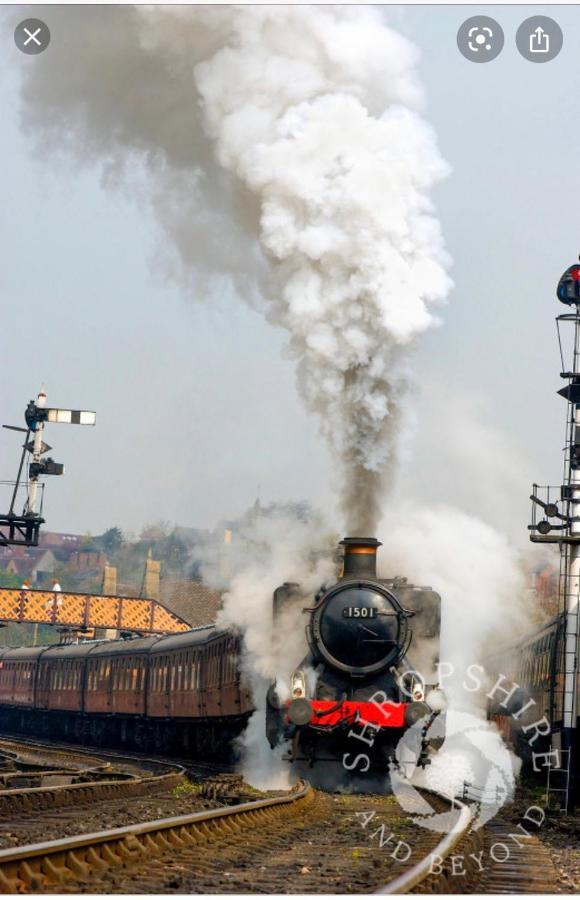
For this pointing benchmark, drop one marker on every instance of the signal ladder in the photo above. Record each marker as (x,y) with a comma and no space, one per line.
(558,779)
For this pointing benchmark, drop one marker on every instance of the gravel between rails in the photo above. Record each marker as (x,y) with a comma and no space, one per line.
(45,825)
(553,851)
(562,839)
(323,848)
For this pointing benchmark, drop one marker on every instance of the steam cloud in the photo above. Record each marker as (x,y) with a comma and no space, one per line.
(280,543)
(282,149)
(484,603)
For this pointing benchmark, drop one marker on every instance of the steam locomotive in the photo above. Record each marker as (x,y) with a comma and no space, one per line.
(186,693)
(355,692)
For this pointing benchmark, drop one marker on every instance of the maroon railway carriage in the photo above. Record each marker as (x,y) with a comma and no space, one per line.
(178,693)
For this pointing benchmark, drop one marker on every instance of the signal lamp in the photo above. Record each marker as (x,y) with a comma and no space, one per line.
(45,467)
(568,290)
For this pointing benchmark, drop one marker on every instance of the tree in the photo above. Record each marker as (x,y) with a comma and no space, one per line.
(112,539)
(155,531)
(8,580)
(86,540)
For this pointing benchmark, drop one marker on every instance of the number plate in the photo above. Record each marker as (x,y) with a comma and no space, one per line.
(359,612)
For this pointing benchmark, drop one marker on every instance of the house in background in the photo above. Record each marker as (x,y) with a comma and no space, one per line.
(57,540)
(195,602)
(37,567)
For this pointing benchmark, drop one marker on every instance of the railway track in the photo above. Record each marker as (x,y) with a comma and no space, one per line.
(65,776)
(76,860)
(435,872)
(529,868)
(198,768)
(496,859)
(299,842)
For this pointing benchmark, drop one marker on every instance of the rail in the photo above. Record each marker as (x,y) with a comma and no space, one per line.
(423,869)
(38,866)
(101,782)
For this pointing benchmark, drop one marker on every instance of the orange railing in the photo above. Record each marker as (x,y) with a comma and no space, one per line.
(135,614)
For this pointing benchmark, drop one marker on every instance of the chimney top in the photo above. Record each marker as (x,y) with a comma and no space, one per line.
(360,556)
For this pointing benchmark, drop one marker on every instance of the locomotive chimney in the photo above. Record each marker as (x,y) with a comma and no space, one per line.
(360,557)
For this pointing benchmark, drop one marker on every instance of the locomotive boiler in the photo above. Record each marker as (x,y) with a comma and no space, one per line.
(356,691)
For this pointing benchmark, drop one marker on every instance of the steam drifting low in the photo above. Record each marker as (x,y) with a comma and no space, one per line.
(283,149)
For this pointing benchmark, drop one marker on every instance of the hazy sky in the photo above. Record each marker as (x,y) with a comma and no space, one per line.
(196,407)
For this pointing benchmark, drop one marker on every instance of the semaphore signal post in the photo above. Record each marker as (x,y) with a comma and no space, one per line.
(22,528)
(559,522)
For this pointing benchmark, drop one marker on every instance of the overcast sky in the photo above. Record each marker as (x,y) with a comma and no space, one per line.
(196,407)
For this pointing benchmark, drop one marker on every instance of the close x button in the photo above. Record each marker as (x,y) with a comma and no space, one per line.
(32,36)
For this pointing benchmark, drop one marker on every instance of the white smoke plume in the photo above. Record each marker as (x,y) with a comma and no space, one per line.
(484,604)
(479,467)
(283,149)
(271,547)
(474,568)
(281,543)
